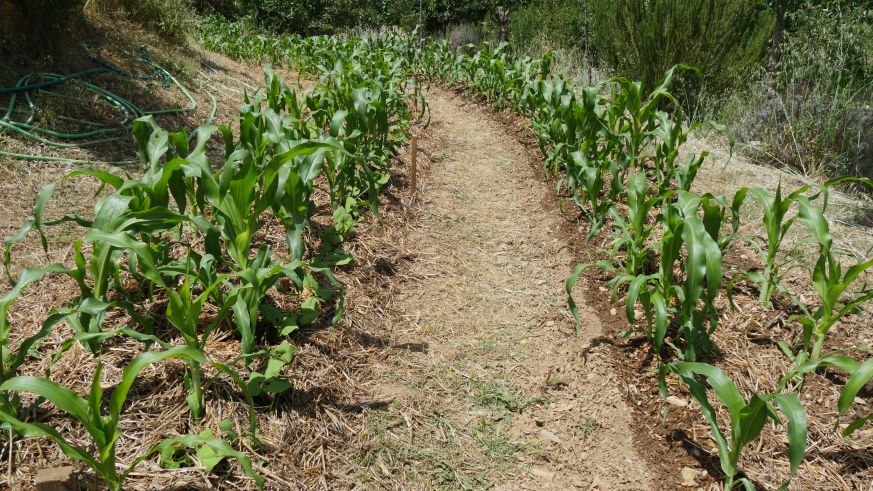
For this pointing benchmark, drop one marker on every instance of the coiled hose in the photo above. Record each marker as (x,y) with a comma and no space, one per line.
(19,115)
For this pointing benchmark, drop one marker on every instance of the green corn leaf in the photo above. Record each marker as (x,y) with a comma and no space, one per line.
(137,365)
(36,430)
(568,287)
(37,222)
(797,427)
(859,378)
(65,399)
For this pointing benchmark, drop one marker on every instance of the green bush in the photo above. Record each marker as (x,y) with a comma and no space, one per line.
(641,39)
(561,22)
(309,17)
(815,113)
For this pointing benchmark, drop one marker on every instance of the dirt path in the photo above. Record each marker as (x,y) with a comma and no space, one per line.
(489,384)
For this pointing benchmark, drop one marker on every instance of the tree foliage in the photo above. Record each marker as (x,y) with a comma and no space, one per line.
(308,17)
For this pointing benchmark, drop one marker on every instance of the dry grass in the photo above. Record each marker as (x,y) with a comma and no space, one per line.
(484,360)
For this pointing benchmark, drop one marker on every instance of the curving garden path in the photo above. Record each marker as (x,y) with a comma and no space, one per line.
(492,388)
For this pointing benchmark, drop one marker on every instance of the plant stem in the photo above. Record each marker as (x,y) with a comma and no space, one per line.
(817,347)
(196,397)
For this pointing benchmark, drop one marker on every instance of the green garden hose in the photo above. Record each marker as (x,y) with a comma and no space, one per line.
(21,111)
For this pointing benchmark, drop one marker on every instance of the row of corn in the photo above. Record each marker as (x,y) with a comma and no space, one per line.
(616,152)
(178,248)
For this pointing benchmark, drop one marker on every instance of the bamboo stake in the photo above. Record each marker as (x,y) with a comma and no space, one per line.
(413,184)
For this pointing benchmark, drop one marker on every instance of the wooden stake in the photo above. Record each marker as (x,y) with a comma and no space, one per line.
(413,184)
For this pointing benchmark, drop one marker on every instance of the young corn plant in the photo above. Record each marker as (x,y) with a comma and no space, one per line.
(834,286)
(860,374)
(637,122)
(11,358)
(683,299)
(183,313)
(747,417)
(686,301)
(633,233)
(776,209)
(103,428)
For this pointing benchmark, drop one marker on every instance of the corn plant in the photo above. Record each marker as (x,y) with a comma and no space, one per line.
(830,281)
(11,358)
(686,300)
(102,428)
(776,209)
(747,417)
(183,313)
(633,233)
(860,374)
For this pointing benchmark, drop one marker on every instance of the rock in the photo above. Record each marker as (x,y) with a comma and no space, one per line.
(675,401)
(544,474)
(56,479)
(689,477)
(548,435)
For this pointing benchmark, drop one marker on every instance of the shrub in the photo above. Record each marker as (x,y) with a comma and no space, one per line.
(641,39)
(815,113)
(561,22)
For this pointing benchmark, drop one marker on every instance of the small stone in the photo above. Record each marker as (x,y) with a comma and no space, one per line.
(544,474)
(689,477)
(675,401)
(56,478)
(548,435)
(612,311)
(550,324)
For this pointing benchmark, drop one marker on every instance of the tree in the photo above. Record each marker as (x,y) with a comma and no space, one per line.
(501,10)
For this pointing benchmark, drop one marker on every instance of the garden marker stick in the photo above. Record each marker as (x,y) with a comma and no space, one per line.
(413,184)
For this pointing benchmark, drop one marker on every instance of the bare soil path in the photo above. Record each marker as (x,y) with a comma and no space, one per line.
(489,386)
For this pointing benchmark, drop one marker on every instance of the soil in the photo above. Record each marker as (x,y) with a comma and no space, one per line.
(487,382)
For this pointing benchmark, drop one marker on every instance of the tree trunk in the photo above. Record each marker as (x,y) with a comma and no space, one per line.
(502,14)
(587,44)
(778,35)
